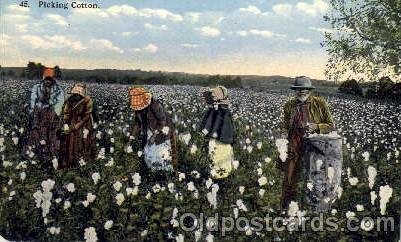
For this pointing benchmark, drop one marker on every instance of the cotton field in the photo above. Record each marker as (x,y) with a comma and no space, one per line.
(108,200)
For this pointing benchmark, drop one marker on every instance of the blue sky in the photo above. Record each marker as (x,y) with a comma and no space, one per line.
(215,37)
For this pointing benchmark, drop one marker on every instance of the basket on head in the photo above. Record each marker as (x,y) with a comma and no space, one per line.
(140,98)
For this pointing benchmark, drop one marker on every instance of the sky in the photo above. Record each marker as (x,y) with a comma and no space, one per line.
(235,37)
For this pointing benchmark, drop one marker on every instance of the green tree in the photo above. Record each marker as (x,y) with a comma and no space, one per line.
(57,72)
(365,39)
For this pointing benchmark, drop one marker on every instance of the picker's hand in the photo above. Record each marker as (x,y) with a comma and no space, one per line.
(312,127)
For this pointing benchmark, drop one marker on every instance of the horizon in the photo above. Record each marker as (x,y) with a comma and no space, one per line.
(277,38)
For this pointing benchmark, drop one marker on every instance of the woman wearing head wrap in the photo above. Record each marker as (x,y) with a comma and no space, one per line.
(155,129)
(217,126)
(79,139)
(45,107)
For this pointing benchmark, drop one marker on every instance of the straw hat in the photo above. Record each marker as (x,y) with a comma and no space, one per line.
(48,72)
(302,83)
(79,89)
(140,98)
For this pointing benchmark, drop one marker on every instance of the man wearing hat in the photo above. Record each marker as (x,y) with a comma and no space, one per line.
(78,140)
(156,130)
(302,115)
(46,102)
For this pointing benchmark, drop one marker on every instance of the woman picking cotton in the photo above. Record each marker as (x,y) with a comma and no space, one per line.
(78,141)
(217,126)
(156,130)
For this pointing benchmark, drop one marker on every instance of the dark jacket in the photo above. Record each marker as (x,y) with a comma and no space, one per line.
(218,123)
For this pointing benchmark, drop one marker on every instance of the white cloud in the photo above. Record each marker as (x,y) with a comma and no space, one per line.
(154,27)
(322,30)
(127,10)
(57,19)
(313,9)
(128,33)
(209,31)
(17,10)
(251,9)
(52,42)
(263,33)
(257,32)
(303,40)
(4,39)
(106,44)
(193,16)
(283,9)
(151,48)
(22,28)
(186,45)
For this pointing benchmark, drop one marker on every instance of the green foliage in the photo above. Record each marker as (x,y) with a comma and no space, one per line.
(365,39)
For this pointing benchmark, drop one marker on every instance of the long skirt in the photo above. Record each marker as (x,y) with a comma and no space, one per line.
(222,156)
(158,157)
(42,137)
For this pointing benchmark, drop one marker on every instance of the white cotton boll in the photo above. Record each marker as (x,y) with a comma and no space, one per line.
(120,199)
(82,162)
(241,189)
(282,147)
(181,176)
(42,142)
(148,196)
(247,141)
(22,175)
(339,192)
(85,203)
(330,174)
(193,149)
(7,164)
(385,194)
(365,156)
(259,145)
(179,238)
(66,127)
(353,181)
(350,214)
(98,135)
(359,208)
(111,150)
(144,233)
(90,235)
(309,185)
(191,186)
(209,238)
(198,235)
(205,132)
(70,187)
(140,153)
(373,197)
(319,164)
(108,225)
(171,187)
(156,188)
(268,159)
(95,177)
(15,140)
(241,206)
(58,200)
(333,211)
(129,149)
(293,209)
(209,182)
(117,186)
(55,163)
(262,192)
(262,181)
(235,164)
(136,179)
(372,173)
(90,197)
(67,205)
(249,149)
(259,171)
(214,135)
(110,163)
